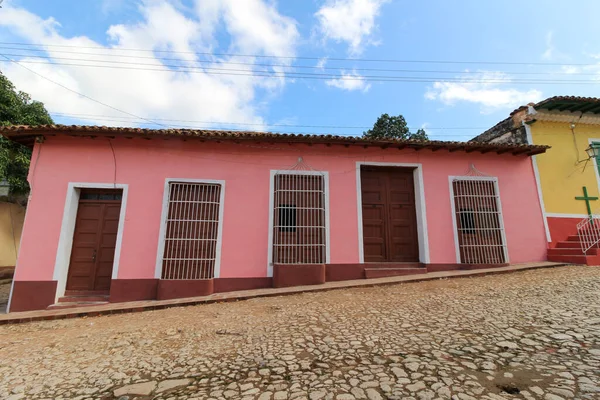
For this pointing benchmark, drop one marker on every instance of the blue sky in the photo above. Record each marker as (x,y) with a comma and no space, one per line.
(456,70)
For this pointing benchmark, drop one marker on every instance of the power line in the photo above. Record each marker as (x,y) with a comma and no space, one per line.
(77,93)
(92,99)
(368,78)
(222,62)
(300,57)
(98,116)
(213,127)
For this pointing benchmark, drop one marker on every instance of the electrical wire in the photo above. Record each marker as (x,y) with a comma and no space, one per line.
(96,116)
(80,94)
(223,62)
(298,57)
(114,163)
(313,76)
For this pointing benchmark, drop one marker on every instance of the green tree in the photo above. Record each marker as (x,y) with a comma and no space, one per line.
(393,127)
(17,108)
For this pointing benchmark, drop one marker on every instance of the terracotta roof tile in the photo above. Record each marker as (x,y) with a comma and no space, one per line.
(27,134)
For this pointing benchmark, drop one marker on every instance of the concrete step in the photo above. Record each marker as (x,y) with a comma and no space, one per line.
(371,273)
(443,267)
(394,265)
(62,306)
(573,238)
(568,245)
(571,252)
(83,299)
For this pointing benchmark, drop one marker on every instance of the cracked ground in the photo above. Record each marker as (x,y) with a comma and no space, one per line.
(532,335)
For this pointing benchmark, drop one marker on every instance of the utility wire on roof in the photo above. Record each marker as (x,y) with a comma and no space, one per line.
(300,57)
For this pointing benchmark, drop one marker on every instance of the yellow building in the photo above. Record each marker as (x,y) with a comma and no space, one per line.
(567,174)
(11,225)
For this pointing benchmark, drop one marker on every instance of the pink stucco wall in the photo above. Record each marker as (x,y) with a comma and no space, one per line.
(145,164)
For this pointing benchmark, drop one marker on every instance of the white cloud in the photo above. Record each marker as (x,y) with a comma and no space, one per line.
(111,6)
(484,89)
(321,63)
(552,53)
(550,49)
(349,81)
(252,28)
(350,21)
(570,69)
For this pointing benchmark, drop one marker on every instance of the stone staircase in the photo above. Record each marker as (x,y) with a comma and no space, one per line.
(569,251)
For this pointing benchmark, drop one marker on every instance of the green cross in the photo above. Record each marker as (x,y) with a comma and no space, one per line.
(587,200)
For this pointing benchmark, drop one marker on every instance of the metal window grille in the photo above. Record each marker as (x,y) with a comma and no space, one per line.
(191,231)
(299,219)
(479,222)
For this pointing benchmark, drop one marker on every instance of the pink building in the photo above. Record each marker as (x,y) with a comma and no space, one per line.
(124,214)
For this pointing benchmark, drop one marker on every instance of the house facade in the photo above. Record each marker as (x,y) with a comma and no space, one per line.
(124,214)
(567,174)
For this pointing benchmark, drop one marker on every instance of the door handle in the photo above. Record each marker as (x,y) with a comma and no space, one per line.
(94,256)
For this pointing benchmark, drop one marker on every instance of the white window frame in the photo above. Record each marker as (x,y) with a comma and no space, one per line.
(67,230)
(325,175)
(163,223)
(420,208)
(451,179)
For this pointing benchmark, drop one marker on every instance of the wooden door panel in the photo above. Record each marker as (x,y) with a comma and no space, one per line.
(94,241)
(374,232)
(374,199)
(106,248)
(402,216)
(389,216)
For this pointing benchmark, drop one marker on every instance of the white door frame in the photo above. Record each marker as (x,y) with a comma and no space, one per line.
(163,223)
(67,230)
(274,172)
(498,204)
(421,209)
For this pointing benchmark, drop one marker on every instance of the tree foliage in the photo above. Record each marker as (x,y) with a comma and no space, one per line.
(17,108)
(393,127)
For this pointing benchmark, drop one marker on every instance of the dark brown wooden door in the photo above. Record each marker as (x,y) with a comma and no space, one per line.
(389,215)
(94,241)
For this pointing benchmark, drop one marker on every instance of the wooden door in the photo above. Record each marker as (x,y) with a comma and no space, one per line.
(389,215)
(94,240)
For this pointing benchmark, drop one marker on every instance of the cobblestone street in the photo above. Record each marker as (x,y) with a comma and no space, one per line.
(533,334)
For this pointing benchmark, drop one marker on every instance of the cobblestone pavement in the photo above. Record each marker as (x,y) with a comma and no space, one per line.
(533,334)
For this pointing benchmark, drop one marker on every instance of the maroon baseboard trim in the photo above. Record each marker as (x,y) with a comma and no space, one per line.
(298,275)
(222,285)
(122,290)
(32,295)
(178,289)
(344,272)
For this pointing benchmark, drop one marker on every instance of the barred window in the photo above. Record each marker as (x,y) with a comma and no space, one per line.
(479,223)
(299,219)
(191,232)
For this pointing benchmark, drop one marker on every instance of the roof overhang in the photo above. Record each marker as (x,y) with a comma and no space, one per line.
(27,135)
(583,110)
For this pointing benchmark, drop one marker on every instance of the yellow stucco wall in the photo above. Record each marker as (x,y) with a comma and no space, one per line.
(561,176)
(11,225)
